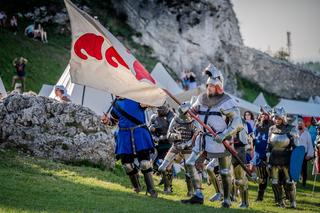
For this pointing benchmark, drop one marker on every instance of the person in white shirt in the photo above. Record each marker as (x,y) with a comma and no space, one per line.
(305,140)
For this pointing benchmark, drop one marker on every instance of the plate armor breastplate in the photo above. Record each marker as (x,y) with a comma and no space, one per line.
(279,141)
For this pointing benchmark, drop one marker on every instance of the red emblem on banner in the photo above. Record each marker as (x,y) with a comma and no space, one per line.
(141,72)
(112,57)
(91,43)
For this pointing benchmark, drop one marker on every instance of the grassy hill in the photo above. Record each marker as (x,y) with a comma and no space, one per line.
(46,61)
(28,184)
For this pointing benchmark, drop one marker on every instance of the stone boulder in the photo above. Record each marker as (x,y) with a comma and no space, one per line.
(49,129)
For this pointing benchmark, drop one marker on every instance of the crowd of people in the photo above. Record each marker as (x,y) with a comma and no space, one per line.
(35,31)
(263,146)
(13,22)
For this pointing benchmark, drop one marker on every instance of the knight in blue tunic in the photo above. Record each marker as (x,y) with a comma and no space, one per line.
(133,140)
(260,142)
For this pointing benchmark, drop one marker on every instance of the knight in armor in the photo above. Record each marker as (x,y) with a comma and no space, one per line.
(159,124)
(260,142)
(240,181)
(282,138)
(216,109)
(180,134)
(133,140)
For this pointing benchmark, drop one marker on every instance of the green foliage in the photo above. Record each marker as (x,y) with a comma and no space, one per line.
(251,91)
(29,184)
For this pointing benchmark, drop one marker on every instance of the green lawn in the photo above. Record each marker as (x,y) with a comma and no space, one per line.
(28,184)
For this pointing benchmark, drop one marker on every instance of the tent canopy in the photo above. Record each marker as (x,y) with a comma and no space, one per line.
(300,108)
(164,80)
(260,100)
(45,90)
(97,100)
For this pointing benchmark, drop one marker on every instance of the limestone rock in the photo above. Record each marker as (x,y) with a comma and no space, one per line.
(190,34)
(50,129)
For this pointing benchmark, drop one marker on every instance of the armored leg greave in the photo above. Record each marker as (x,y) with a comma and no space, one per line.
(290,188)
(167,179)
(132,172)
(194,175)
(263,182)
(241,182)
(190,186)
(278,194)
(134,178)
(215,179)
(225,163)
(146,169)
(147,174)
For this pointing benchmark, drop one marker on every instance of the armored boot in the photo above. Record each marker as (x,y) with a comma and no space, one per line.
(189,185)
(226,185)
(234,192)
(167,181)
(134,178)
(149,183)
(244,198)
(217,184)
(260,195)
(277,189)
(290,189)
(197,198)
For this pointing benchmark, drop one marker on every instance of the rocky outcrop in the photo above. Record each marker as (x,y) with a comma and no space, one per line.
(190,34)
(50,129)
(276,76)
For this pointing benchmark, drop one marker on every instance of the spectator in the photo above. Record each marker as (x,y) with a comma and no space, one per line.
(19,64)
(305,140)
(41,34)
(192,79)
(61,93)
(29,31)
(185,81)
(249,118)
(3,19)
(14,24)
(313,129)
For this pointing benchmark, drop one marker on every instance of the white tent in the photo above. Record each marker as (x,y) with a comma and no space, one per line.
(311,100)
(3,89)
(97,100)
(164,80)
(45,90)
(300,108)
(245,105)
(316,100)
(260,100)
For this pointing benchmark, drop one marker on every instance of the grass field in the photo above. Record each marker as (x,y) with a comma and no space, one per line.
(46,61)
(28,184)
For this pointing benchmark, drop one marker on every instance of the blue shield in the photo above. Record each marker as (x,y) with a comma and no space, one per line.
(296,161)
